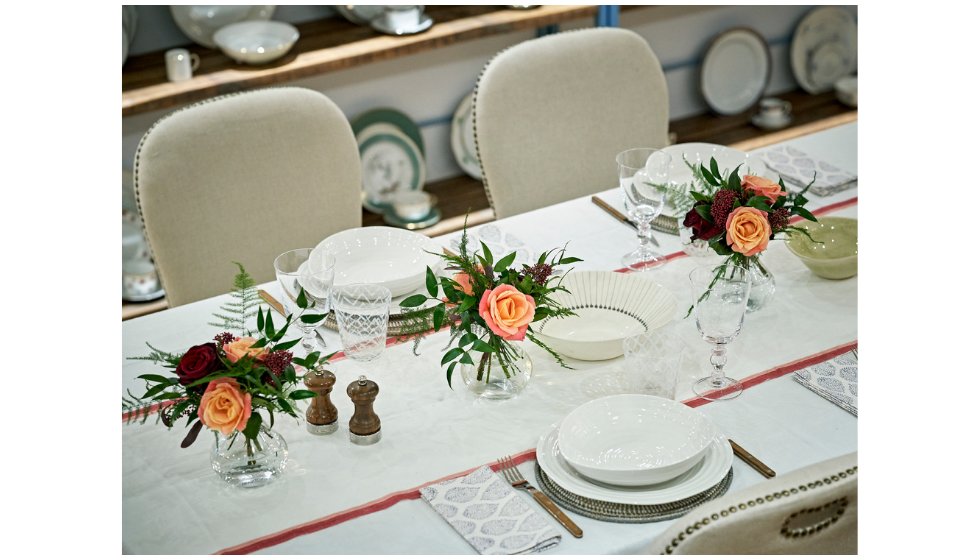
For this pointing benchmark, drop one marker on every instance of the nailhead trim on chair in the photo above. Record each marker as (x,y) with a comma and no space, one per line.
(785,531)
(139,149)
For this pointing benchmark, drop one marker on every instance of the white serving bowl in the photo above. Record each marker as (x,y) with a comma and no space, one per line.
(256,42)
(610,308)
(634,440)
(392,257)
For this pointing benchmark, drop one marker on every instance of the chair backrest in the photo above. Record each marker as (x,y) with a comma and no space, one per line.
(812,510)
(550,115)
(244,177)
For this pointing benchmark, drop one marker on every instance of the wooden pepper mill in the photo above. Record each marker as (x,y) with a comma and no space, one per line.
(365,426)
(321,417)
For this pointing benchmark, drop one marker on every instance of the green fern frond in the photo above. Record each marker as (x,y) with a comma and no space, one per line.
(243,307)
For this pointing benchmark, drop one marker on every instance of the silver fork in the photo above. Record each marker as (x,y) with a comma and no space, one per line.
(517,480)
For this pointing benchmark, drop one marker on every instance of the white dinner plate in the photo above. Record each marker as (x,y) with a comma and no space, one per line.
(461,138)
(705,474)
(824,48)
(610,307)
(390,162)
(392,257)
(735,71)
(200,23)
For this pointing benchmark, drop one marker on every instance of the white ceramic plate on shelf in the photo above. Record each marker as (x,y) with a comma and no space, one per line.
(392,257)
(461,138)
(735,71)
(256,42)
(610,308)
(390,163)
(824,48)
(634,440)
(200,23)
(703,475)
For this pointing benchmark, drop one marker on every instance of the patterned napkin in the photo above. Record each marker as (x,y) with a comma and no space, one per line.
(835,380)
(797,168)
(489,514)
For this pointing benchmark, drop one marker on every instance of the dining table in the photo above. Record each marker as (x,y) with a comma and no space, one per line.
(339,498)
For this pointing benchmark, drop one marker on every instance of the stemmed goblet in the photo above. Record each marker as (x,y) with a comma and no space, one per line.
(720,295)
(301,272)
(642,171)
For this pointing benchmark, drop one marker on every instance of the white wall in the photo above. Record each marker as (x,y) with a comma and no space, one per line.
(429,85)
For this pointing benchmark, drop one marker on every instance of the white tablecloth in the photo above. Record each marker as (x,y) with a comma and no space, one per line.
(173,502)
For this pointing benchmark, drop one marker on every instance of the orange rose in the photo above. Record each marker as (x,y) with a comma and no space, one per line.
(763,187)
(241,347)
(507,311)
(465,281)
(748,231)
(224,406)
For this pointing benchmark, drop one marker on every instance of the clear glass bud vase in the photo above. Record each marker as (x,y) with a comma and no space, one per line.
(498,375)
(763,284)
(249,463)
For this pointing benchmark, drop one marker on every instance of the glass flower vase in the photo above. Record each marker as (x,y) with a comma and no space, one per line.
(249,463)
(498,375)
(763,284)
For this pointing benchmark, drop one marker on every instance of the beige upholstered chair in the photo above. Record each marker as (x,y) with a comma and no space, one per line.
(551,114)
(244,177)
(812,510)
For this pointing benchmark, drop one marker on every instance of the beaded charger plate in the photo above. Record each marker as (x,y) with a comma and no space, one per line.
(628,513)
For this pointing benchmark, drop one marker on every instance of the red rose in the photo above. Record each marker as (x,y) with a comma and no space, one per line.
(197,362)
(703,229)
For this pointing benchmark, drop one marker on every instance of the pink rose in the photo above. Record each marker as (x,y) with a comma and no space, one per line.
(748,231)
(761,186)
(507,311)
(224,406)
(241,347)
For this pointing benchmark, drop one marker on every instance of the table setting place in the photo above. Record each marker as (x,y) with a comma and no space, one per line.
(622,366)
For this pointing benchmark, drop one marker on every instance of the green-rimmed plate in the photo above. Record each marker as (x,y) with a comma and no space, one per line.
(461,137)
(393,117)
(390,163)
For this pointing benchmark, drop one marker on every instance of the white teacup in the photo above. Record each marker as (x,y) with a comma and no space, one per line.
(774,109)
(139,279)
(403,17)
(412,205)
(181,64)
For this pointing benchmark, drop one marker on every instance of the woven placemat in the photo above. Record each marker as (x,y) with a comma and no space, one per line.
(627,513)
(398,324)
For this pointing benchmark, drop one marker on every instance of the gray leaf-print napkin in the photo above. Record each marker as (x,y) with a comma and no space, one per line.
(797,168)
(835,380)
(490,515)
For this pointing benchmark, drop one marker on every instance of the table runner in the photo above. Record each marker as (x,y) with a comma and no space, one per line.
(554,393)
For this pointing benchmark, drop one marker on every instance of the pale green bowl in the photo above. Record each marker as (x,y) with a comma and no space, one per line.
(836,258)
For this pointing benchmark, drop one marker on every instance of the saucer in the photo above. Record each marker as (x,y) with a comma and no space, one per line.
(429,219)
(379,24)
(767,123)
(701,477)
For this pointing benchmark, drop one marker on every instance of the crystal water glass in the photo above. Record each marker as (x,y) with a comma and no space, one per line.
(642,174)
(301,269)
(362,319)
(720,294)
(652,362)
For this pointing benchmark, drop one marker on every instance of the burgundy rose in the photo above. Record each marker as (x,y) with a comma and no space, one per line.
(703,229)
(197,362)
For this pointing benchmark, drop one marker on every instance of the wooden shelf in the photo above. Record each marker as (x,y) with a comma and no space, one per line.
(324,46)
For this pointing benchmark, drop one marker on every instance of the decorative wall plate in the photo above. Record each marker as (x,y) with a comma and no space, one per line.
(735,71)
(824,48)
(394,117)
(390,162)
(462,140)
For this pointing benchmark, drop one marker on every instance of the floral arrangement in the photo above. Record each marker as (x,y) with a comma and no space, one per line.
(223,384)
(739,216)
(491,305)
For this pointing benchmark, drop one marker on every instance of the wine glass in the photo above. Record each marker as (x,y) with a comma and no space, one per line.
(641,172)
(720,295)
(314,274)
(362,319)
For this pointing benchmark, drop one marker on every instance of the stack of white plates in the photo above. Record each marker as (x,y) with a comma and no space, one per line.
(635,450)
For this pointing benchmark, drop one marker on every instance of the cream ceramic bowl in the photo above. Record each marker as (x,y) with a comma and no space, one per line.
(634,440)
(610,307)
(836,257)
(256,42)
(392,257)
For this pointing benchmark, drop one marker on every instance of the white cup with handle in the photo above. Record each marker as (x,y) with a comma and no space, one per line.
(181,64)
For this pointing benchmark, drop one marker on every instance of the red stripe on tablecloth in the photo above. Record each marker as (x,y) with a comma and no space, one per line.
(354,512)
(126,416)
(522,457)
(780,371)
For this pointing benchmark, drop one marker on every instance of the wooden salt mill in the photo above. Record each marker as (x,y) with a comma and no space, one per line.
(321,416)
(365,426)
